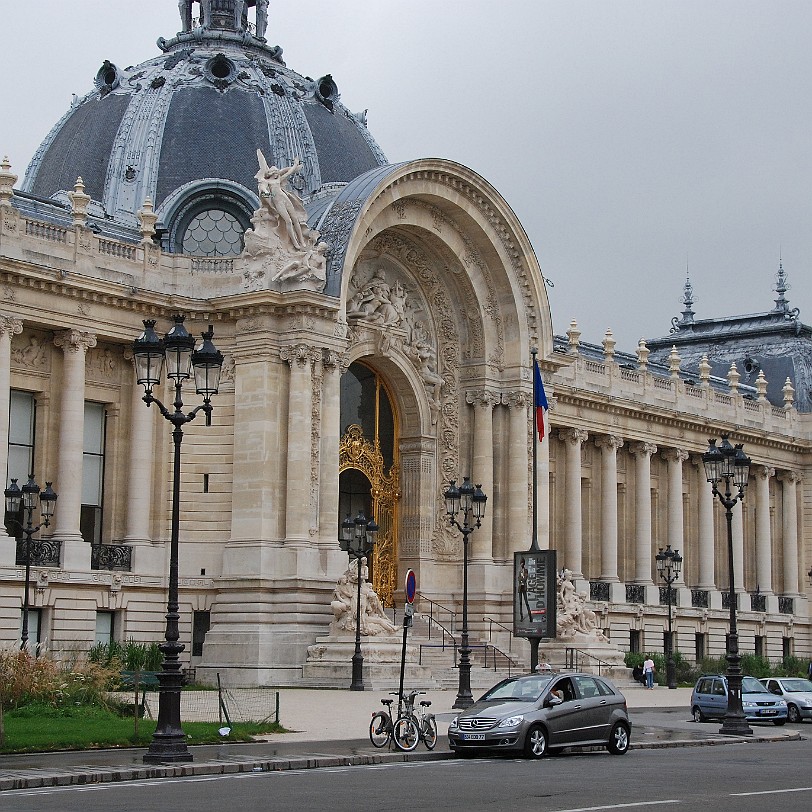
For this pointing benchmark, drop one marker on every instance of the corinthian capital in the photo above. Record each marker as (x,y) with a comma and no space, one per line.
(10,326)
(481,397)
(762,471)
(298,354)
(75,340)
(574,436)
(676,455)
(643,449)
(609,442)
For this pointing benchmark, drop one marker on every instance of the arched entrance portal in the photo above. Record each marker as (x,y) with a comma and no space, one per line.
(369,479)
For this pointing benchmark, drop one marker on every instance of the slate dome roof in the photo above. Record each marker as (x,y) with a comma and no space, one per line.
(183,128)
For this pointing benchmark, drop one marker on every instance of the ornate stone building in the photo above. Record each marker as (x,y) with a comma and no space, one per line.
(377,344)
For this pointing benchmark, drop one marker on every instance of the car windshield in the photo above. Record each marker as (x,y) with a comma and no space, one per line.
(797,686)
(750,685)
(525,689)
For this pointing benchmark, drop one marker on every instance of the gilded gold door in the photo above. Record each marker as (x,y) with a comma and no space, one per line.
(370,448)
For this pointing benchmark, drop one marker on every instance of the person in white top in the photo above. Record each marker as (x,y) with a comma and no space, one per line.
(648,671)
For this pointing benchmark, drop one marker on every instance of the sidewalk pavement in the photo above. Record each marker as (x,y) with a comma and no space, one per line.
(328,728)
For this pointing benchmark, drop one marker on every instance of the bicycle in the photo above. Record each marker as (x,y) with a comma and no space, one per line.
(425,721)
(409,728)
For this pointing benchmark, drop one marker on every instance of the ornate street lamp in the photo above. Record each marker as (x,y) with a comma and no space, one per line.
(669,565)
(358,539)
(733,466)
(27,497)
(470,502)
(177,351)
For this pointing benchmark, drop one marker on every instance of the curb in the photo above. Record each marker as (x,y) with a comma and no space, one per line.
(99,775)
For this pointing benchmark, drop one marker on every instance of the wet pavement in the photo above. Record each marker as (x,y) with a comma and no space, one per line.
(329,730)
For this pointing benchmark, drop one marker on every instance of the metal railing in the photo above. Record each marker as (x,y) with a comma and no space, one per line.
(435,613)
(574,657)
(491,622)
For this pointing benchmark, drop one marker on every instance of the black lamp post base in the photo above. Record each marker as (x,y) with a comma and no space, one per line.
(735,725)
(464,697)
(168,752)
(357,683)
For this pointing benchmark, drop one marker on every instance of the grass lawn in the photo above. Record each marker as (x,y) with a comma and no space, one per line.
(37,728)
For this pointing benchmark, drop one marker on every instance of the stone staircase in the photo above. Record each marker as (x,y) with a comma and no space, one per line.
(488,665)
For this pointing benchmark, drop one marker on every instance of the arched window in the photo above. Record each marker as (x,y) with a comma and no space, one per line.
(210,225)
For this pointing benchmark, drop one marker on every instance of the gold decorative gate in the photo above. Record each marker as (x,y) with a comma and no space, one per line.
(358,453)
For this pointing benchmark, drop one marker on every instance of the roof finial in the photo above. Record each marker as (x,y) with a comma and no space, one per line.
(224,15)
(781,287)
(688,302)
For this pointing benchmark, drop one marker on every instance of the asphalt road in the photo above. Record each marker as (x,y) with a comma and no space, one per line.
(740,777)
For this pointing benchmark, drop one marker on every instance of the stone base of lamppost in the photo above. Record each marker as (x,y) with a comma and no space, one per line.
(735,724)
(169,741)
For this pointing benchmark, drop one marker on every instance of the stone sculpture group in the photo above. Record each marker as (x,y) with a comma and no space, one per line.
(345,604)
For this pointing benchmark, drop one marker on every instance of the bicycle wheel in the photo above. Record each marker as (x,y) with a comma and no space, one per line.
(429,732)
(380,729)
(406,733)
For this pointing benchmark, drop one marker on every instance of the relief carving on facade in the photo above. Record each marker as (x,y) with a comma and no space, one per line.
(101,364)
(30,352)
(436,338)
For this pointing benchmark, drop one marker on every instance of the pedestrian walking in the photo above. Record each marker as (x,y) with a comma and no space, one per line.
(648,671)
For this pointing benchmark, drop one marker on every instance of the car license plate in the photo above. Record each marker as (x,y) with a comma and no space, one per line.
(473,737)
(768,712)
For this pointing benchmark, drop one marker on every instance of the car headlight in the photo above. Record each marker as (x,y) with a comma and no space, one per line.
(781,703)
(453,725)
(511,721)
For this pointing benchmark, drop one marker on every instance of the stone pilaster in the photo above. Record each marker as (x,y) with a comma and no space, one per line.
(9,327)
(609,446)
(643,541)
(761,475)
(706,543)
(674,458)
(329,439)
(75,552)
(573,557)
(481,543)
(789,481)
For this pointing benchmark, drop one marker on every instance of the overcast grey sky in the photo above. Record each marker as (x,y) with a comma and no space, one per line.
(631,138)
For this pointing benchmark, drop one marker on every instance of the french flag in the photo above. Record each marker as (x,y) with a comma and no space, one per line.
(539,399)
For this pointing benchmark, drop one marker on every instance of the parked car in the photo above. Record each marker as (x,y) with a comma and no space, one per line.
(541,713)
(709,700)
(797,693)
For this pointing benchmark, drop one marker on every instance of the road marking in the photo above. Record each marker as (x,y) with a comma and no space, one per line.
(620,806)
(772,791)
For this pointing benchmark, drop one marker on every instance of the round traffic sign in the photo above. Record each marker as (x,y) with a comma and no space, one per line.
(411,585)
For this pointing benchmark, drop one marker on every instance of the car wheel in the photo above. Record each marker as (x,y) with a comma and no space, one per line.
(698,715)
(793,714)
(618,743)
(779,722)
(535,745)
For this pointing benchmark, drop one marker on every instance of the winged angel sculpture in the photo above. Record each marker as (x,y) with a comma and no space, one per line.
(282,250)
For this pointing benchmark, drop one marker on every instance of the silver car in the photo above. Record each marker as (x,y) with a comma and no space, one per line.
(797,693)
(541,713)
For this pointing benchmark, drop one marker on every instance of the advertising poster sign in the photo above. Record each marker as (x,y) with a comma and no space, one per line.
(534,594)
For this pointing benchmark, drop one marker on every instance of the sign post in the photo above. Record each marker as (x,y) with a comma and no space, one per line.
(534,596)
(408,613)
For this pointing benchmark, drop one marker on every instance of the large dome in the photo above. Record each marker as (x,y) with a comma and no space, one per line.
(183,129)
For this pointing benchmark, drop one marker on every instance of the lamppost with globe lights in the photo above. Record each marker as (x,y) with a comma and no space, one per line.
(470,501)
(27,497)
(358,537)
(669,565)
(177,351)
(733,466)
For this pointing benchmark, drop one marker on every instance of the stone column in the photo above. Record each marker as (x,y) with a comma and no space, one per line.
(329,440)
(642,547)
(300,421)
(738,546)
(75,552)
(481,541)
(573,555)
(674,458)
(518,468)
(789,516)
(609,446)
(707,556)
(139,469)
(764,546)
(9,327)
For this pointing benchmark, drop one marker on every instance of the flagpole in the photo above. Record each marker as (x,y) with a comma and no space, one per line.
(534,544)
